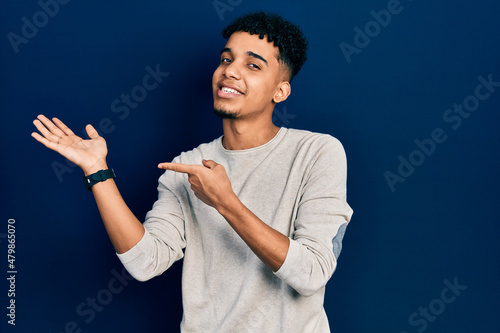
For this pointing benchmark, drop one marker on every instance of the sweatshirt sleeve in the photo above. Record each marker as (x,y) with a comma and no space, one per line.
(322,217)
(164,238)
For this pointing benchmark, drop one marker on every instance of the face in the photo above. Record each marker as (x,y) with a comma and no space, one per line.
(249,80)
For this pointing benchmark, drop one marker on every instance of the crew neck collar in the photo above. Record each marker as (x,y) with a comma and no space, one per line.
(277,137)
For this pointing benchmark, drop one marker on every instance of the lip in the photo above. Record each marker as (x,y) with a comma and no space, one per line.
(223,94)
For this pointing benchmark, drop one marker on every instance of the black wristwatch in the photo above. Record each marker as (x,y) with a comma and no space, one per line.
(97,177)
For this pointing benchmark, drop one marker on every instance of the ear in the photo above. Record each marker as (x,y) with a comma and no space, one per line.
(282,92)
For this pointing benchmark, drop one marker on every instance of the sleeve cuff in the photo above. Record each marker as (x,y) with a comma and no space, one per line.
(142,247)
(286,270)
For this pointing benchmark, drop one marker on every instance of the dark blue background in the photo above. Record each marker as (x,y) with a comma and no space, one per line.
(440,224)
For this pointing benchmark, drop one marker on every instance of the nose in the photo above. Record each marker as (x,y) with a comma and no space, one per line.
(232,70)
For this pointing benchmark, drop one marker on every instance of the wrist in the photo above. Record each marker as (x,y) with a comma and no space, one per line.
(229,205)
(99,165)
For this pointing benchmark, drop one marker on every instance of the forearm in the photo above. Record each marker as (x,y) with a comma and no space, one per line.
(268,244)
(123,228)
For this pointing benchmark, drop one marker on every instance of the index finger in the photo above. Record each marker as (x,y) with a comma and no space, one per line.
(177,167)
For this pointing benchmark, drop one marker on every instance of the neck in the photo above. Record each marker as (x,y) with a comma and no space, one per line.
(240,135)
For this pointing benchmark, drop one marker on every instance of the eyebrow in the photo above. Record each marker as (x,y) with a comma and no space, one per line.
(249,53)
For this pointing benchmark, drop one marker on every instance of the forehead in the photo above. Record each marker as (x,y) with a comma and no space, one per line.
(243,42)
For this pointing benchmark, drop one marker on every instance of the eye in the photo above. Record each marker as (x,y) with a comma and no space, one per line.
(254,66)
(227,60)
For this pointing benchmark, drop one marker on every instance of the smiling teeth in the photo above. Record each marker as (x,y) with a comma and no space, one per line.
(229,90)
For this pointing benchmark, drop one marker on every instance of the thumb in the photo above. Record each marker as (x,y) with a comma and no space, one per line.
(209,163)
(91,132)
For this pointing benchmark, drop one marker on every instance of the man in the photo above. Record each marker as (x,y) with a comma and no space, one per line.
(258,214)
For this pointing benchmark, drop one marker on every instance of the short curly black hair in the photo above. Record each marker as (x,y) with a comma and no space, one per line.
(288,37)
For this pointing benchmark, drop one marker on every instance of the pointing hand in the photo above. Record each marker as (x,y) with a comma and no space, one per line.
(209,181)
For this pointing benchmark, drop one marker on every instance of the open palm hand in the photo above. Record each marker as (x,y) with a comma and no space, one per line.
(87,154)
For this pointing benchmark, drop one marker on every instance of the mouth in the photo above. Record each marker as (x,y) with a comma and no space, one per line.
(227,91)
(230,90)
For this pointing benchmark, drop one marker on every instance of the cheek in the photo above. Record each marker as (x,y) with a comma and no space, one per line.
(263,91)
(216,75)
(213,78)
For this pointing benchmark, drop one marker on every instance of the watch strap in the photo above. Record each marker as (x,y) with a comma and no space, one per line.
(97,177)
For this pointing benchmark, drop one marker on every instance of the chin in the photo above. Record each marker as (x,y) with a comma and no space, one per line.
(225,114)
